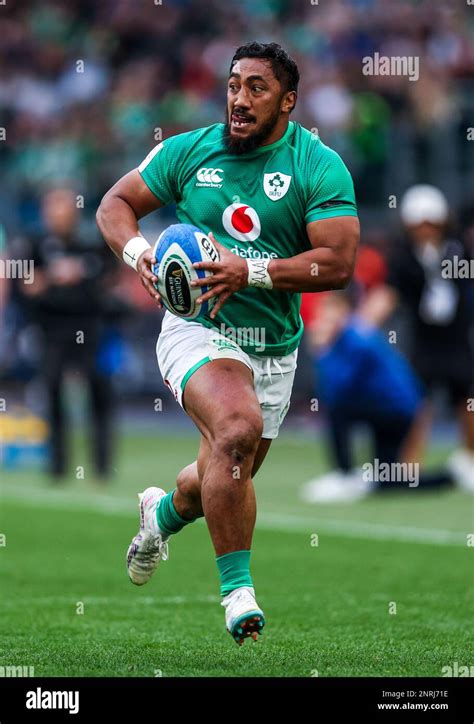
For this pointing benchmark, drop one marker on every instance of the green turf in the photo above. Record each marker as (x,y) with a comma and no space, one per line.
(327,606)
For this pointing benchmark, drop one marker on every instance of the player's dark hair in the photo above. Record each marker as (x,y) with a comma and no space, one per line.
(284,68)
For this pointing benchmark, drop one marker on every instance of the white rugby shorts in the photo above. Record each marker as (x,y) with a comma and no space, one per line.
(183,347)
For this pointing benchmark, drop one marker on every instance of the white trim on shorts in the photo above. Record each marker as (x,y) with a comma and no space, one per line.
(183,347)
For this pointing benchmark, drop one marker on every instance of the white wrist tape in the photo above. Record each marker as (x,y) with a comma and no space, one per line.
(258,273)
(133,249)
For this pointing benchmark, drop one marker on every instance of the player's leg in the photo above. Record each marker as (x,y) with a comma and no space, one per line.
(182,349)
(182,505)
(221,399)
(163,514)
(187,496)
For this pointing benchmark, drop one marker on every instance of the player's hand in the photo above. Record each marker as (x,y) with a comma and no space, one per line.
(147,278)
(229,274)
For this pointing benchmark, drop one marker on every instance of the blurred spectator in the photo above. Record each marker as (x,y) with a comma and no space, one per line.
(362,379)
(426,277)
(67,303)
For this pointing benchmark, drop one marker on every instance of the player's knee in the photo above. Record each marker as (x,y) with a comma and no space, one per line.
(187,481)
(238,437)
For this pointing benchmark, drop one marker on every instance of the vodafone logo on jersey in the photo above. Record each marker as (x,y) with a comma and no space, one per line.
(241,222)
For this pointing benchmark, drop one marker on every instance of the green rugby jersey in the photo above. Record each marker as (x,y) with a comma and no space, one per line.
(257,205)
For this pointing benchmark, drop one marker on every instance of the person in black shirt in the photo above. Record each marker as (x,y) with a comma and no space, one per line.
(66,300)
(427,275)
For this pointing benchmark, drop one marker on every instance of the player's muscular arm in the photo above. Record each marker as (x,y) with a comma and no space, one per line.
(117,218)
(122,206)
(328,265)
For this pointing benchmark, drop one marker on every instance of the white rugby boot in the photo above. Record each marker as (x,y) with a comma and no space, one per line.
(243,617)
(150,545)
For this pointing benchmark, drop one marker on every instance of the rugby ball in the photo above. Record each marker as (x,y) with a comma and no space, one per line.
(177,248)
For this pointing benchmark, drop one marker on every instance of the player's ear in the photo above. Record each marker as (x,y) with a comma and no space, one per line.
(288,102)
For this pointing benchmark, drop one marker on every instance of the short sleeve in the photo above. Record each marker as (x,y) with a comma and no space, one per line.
(159,170)
(331,190)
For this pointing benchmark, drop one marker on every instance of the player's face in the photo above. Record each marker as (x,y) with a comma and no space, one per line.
(256,106)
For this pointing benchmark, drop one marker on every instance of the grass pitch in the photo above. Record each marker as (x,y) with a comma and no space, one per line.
(382,587)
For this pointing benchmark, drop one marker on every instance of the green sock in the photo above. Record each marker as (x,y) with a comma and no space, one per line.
(234,570)
(169,521)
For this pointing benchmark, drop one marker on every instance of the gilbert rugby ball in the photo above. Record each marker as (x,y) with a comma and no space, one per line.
(176,250)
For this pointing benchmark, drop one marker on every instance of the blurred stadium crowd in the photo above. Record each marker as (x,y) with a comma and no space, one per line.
(87,88)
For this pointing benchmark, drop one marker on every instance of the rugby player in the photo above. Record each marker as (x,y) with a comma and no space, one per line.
(280,207)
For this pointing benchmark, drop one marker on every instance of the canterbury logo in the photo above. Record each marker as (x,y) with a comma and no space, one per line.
(210,175)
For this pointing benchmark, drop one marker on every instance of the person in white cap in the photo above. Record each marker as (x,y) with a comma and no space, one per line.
(424,278)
